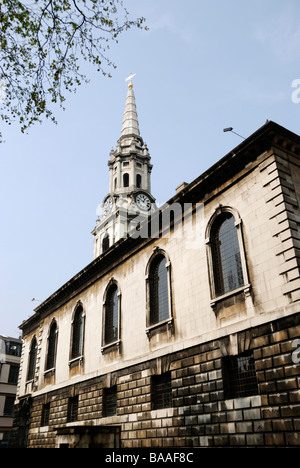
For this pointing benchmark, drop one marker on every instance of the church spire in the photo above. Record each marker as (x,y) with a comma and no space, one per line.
(130,124)
(129,194)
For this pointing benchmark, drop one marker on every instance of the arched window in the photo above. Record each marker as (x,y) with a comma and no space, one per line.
(139,181)
(77,333)
(226,255)
(126,180)
(112,316)
(32,359)
(159,290)
(52,341)
(105,242)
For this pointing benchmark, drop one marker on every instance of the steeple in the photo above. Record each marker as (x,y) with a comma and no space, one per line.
(129,182)
(130,121)
(129,164)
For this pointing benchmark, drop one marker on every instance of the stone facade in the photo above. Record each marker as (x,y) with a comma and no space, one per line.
(258,185)
(200,416)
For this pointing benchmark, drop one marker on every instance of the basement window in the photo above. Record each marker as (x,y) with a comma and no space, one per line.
(161,391)
(45,415)
(239,376)
(110,402)
(73,409)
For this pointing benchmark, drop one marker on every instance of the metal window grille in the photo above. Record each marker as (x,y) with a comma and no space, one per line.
(112,316)
(239,376)
(159,291)
(73,409)
(45,415)
(161,391)
(110,401)
(226,255)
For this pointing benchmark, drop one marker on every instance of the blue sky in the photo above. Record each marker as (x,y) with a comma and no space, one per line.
(202,66)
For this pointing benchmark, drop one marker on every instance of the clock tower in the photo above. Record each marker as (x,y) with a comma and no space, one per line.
(129,196)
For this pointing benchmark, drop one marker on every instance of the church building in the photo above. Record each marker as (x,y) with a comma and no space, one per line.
(184,330)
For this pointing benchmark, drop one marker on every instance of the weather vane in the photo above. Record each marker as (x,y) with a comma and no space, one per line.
(130,78)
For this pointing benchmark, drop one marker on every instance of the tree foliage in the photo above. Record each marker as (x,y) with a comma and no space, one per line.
(41,44)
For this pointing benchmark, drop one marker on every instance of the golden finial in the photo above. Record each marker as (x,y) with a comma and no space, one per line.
(130,86)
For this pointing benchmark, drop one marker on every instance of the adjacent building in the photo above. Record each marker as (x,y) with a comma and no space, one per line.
(184,331)
(10,353)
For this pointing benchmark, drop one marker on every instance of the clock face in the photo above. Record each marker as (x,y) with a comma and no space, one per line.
(143,202)
(107,207)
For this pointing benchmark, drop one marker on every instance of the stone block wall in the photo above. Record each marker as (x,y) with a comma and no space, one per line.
(200,415)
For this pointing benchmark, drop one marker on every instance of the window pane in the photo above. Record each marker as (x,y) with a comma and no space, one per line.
(240,376)
(110,401)
(77,344)
(159,291)
(32,360)
(112,316)
(227,265)
(73,409)
(51,347)
(13,374)
(45,415)
(9,406)
(13,349)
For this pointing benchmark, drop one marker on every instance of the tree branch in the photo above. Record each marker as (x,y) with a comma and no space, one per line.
(40,45)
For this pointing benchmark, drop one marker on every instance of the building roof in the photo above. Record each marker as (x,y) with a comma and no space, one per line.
(10,338)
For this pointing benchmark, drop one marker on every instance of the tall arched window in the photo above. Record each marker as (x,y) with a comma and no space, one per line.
(226,256)
(126,180)
(159,290)
(77,333)
(228,271)
(32,359)
(52,341)
(112,318)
